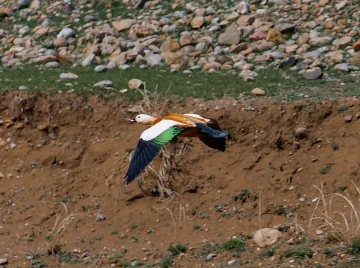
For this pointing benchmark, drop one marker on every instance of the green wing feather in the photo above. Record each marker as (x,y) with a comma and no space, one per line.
(167,135)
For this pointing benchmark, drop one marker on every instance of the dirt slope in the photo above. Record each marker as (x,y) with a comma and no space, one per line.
(72,150)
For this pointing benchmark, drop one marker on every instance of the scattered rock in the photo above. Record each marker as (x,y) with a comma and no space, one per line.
(154,59)
(66,33)
(104,84)
(100,68)
(41,32)
(355,59)
(356,45)
(341,67)
(135,84)
(3,260)
(313,74)
(274,35)
(231,36)
(46,59)
(122,25)
(60,42)
(301,132)
(197,22)
(285,27)
(53,64)
(68,76)
(344,41)
(348,118)
(258,92)
(210,256)
(23,88)
(266,236)
(320,41)
(88,60)
(258,35)
(100,216)
(170,45)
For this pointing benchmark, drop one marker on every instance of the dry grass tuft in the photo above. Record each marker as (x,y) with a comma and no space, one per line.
(150,100)
(343,224)
(54,237)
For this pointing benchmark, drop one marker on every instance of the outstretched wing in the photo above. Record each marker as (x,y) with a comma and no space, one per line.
(149,145)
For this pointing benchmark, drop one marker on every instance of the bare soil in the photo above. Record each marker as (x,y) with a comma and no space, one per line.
(70,155)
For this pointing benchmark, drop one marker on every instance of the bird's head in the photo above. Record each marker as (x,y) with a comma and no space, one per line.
(143,119)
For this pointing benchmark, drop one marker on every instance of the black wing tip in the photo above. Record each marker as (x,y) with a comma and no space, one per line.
(211,132)
(128,180)
(214,143)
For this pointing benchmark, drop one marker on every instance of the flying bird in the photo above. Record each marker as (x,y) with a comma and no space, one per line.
(167,128)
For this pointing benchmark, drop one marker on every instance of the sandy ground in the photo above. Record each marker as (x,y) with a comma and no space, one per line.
(63,159)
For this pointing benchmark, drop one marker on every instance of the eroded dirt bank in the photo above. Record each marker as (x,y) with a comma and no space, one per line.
(74,151)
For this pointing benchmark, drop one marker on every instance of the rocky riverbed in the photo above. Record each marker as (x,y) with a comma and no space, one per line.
(310,37)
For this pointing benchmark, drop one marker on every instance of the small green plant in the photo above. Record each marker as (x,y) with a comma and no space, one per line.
(325,169)
(123,236)
(167,261)
(115,257)
(196,227)
(154,191)
(218,207)
(299,252)
(335,146)
(66,257)
(114,232)
(355,246)
(234,244)
(209,248)
(328,251)
(39,264)
(341,188)
(133,226)
(150,230)
(267,253)
(280,210)
(342,108)
(271,166)
(177,248)
(244,195)
(63,200)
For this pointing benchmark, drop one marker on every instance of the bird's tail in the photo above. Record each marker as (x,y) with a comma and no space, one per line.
(214,143)
(211,132)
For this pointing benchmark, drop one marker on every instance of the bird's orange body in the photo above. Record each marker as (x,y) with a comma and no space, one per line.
(182,119)
(187,120)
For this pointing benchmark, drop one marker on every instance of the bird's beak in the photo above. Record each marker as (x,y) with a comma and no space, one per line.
(132,121)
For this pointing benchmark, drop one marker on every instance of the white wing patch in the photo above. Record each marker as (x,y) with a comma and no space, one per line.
(198,116)
(158,128)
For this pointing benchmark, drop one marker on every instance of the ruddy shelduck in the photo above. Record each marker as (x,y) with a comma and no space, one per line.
(167,128)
